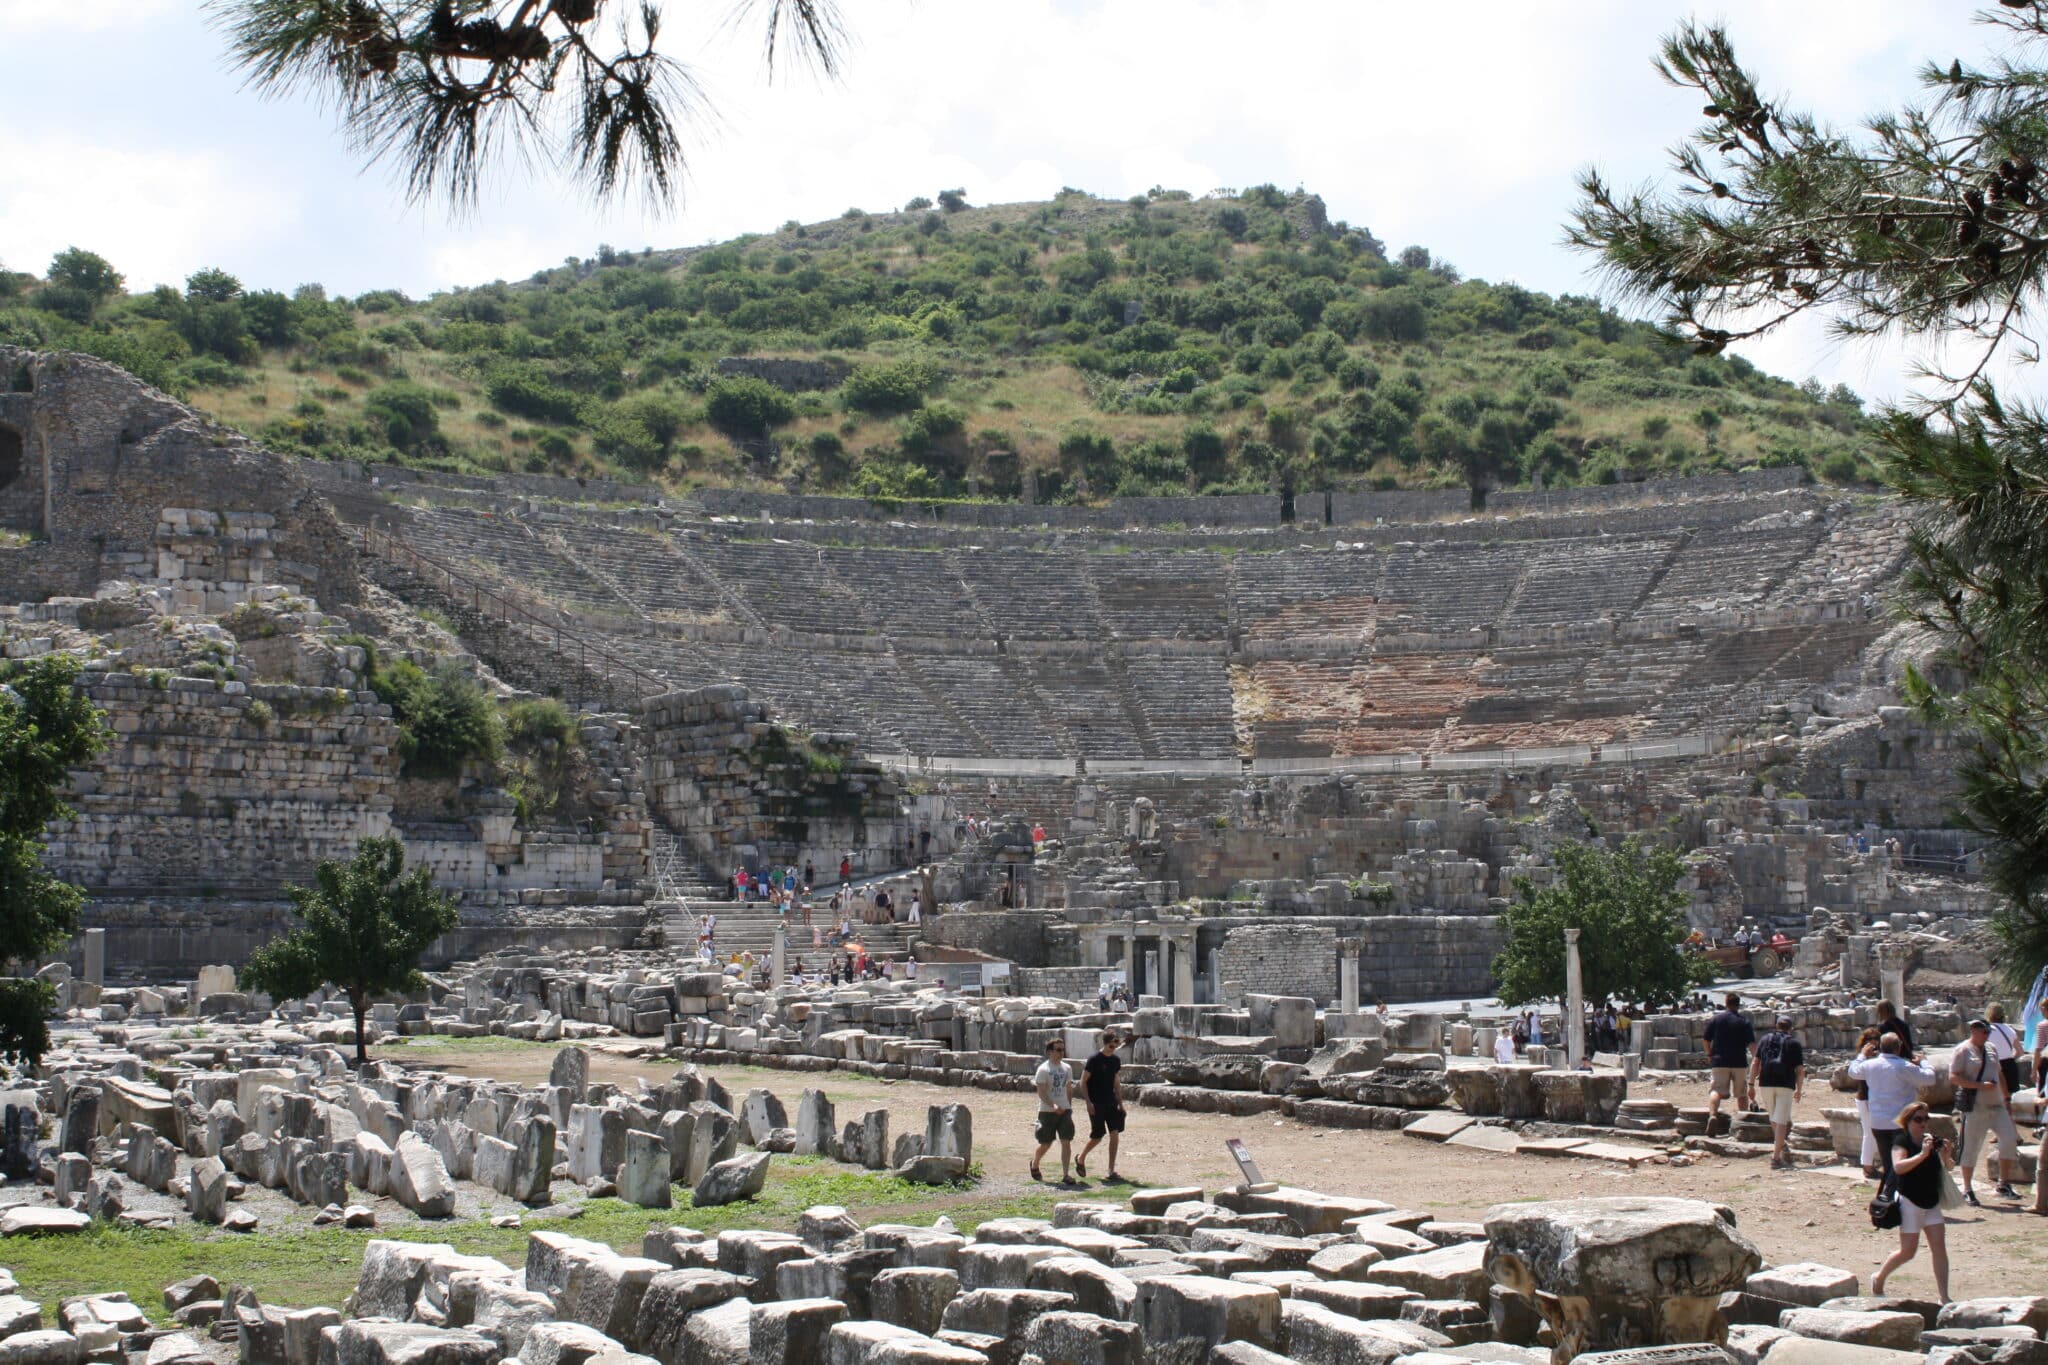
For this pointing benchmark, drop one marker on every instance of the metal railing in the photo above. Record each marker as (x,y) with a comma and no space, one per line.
(495,603)
(1694,744)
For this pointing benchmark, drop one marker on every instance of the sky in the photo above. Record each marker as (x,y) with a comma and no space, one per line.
(1458,128)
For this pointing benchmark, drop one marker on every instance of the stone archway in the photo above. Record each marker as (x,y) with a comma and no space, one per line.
(12,457)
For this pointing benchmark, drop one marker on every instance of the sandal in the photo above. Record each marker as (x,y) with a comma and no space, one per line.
(1080,1168)
(1035,1175)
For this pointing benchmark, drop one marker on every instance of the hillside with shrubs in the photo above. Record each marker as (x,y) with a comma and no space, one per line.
(1076,349)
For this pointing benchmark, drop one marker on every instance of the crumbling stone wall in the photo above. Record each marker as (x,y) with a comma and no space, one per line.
(1280,959)
(104,455)
(739,787)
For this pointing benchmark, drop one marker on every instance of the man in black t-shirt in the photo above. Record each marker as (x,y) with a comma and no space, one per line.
(1105,1104)
(1730,1040)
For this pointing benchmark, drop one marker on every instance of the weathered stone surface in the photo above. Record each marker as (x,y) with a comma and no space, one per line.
(1453,1272)
(644,1171)
(1616,1272)
(1805,1283)
(792,1332)
(1079,1338)
(760,1113)
(881,1343)
(365,1342)
(913,1296)
(419,1179)
(673,1300)
(817,1132)
(1892,1331)
(731,1181)
(1182,1317)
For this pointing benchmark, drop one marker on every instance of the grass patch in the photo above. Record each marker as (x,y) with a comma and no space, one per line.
(302,1267)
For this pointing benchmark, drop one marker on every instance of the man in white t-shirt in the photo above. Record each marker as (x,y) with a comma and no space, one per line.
(1054,1082)
(1504,1047)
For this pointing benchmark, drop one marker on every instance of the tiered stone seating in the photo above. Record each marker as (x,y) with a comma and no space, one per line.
(648,568)
(1856,557)
(1580,582)
(1717,678)
(499,549)
(979,690)
(1525,631)
(1153,596)
(1032,595)
(907,592)
(1731,568)
(879,686)
(1442,589)
(1280,596)
(1186,703)
(1084,701)
(1630,678)
(787,585)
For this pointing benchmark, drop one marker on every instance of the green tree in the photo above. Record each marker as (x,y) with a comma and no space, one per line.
(1933,222)
(47,728)
(79,282)
(363,925)
(1628,902)
(437,88)
(212,285)
(745,406)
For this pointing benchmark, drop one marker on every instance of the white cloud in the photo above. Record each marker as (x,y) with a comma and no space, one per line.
(158,215)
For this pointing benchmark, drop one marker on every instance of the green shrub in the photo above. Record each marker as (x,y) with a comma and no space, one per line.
(535,720)
(896,387)
(744,406)
(444,717)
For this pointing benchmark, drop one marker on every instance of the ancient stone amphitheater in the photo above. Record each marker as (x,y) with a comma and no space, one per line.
(1382,625)
(1172,665)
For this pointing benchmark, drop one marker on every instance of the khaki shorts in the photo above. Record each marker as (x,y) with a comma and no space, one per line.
(1979,1124)
(1728,1081)
(1778,1100)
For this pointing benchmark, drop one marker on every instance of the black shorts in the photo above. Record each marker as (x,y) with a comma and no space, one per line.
(1054,1123)
(1104,1121)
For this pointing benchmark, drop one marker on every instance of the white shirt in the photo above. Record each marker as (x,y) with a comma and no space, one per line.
(1894,1083)
(1055,1085)
(1504,1047)
(2003,1043)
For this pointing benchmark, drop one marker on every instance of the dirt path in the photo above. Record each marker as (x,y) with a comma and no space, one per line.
(1802,1216)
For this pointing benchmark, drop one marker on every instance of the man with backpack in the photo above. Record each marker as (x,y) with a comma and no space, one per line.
(1778,1079)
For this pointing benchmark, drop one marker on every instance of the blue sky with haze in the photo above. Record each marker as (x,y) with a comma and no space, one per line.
(1456,127)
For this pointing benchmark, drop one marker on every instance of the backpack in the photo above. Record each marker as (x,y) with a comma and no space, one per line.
(1770,1051)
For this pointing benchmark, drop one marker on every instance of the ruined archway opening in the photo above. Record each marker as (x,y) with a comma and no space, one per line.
(10,456)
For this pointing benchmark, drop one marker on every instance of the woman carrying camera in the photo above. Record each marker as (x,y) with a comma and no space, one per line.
(1917,1159)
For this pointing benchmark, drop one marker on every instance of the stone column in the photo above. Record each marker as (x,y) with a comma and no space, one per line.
(1183,972)
(781,955)
(1131,962)
(1574,1002)
(1891,974)
(96,956)
(1154,984)
(1347,976)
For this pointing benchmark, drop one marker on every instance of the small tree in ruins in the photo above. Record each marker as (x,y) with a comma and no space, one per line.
(364,925)
(1630,906)
(47,728)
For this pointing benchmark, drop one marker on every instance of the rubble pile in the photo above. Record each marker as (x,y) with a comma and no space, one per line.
(145,1130)
(1175,1277)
